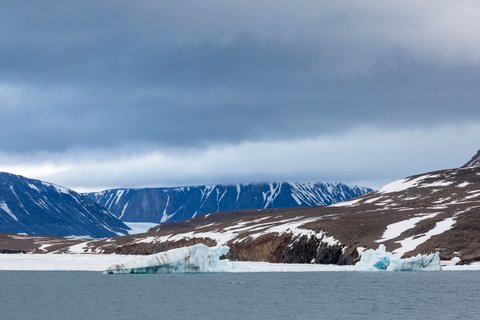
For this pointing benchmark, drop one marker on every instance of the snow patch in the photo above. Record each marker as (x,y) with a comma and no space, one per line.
(139,227)
(372,200)
(463,184)
(472,196)
(78,248)
(44,246)
(394,230)
(411,243)
(347,203)
(407,183)
(147,240)
(437,184)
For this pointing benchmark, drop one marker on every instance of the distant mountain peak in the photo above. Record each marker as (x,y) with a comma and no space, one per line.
(41,208)
(474,162)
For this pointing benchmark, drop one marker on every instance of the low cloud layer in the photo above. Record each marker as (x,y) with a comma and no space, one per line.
(139,84)
(364,157)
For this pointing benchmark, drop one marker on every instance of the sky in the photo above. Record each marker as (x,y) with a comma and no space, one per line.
(115,93)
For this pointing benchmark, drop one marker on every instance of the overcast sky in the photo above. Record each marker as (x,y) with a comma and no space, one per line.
(112,93)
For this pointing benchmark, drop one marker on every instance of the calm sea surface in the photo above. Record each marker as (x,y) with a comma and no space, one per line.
(322,295)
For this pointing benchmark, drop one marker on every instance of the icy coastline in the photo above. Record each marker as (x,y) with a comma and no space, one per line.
(201,259)
(123,263)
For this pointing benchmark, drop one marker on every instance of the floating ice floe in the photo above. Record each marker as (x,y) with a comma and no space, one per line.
(381,259)
(195,259)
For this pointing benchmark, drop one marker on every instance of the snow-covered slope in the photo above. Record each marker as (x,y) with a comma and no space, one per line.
(177,204)
(35,207)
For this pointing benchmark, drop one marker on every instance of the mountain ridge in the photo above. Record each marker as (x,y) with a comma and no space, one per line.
(182,203)
(474,162)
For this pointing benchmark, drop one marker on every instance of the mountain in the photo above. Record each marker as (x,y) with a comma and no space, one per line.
(35,207)
(178,204)
(474,162)
(436,211)
(431,212)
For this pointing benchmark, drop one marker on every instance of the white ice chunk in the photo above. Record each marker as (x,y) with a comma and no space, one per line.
(381,259)
(194,259)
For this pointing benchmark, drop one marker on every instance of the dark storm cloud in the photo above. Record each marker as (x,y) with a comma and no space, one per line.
(105,74)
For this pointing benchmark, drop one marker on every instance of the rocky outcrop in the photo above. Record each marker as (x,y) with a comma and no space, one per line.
(287,249)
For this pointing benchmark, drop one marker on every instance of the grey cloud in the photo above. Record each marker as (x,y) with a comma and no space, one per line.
(365,157)
(110,74)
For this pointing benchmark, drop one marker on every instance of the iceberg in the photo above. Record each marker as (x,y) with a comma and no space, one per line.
(194,259)
(381,259)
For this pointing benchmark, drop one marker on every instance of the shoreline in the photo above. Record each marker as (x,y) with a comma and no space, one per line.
(99,263)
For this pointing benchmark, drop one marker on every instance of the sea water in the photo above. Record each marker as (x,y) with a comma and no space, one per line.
(323,295)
